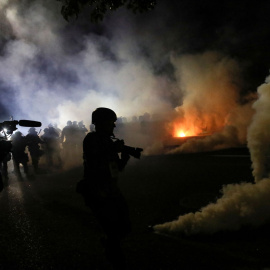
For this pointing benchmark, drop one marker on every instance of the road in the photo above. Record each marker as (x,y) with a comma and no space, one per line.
(45,224)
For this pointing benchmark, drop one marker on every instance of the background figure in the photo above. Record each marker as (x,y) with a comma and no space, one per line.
(18,153)
(57,129)
(51,146)
(67,139)
(4,165)
(33,142)
(5,148)
(99,187)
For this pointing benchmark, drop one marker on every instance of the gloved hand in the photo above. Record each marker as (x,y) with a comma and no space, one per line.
(118,145)
(125,157)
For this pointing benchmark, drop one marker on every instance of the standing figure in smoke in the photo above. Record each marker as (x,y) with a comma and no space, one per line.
(67,139)
(99,186)
(33,142)
(5,157)
(4,165)
(18,153)
(56,128)
(51,146)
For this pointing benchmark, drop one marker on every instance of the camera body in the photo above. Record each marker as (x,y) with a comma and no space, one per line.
(132,151)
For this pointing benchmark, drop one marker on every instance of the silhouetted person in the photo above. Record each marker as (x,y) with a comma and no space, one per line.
(18,152)
(67,139)
(66,132)
(100,190)
(51,146)
(4,165)
(82,131)
(33,142)
(58,130)
(5,156)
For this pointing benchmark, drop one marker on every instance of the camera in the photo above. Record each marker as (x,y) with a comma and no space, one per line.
(132,151)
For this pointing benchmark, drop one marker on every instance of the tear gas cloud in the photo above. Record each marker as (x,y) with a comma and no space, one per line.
(49,84)
(211,105)
(259,134)
(245,204)
(52,72)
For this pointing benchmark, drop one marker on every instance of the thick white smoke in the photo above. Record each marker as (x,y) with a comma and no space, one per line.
(54,82)
(240,204)
(259,134)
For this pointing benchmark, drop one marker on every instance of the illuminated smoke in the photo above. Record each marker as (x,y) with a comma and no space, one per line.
(211,103)
(54,75)
(259,134)
(240,204)
(52,71)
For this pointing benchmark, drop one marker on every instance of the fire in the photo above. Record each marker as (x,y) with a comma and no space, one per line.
(181,134)
(184,130)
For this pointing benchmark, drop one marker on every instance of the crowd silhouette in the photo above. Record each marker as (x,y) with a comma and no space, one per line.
(53,146)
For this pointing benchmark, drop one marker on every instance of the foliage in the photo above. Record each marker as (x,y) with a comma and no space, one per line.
(98,8)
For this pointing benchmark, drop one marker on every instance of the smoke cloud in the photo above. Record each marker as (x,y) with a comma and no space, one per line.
(53,71)
(258,134)
(51,81)
(240,204)
(212,103)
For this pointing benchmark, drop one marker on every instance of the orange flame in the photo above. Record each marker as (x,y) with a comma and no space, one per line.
(181,134)
(183,130)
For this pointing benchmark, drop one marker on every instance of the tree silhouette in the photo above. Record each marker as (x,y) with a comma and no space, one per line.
(98,8)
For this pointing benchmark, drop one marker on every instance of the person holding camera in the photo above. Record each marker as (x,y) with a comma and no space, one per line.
(99,186)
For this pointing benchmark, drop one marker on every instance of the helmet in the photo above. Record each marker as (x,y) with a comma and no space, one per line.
(32,130)
(17,134)
(103,114)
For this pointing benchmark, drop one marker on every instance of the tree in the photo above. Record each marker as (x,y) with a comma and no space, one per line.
(98,8)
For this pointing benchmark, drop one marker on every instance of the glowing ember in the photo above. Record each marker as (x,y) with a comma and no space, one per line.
(184,130)
(181,130)
(181,134)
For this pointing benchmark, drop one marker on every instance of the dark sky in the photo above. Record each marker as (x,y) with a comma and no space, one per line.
(50,68)
(239,29)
